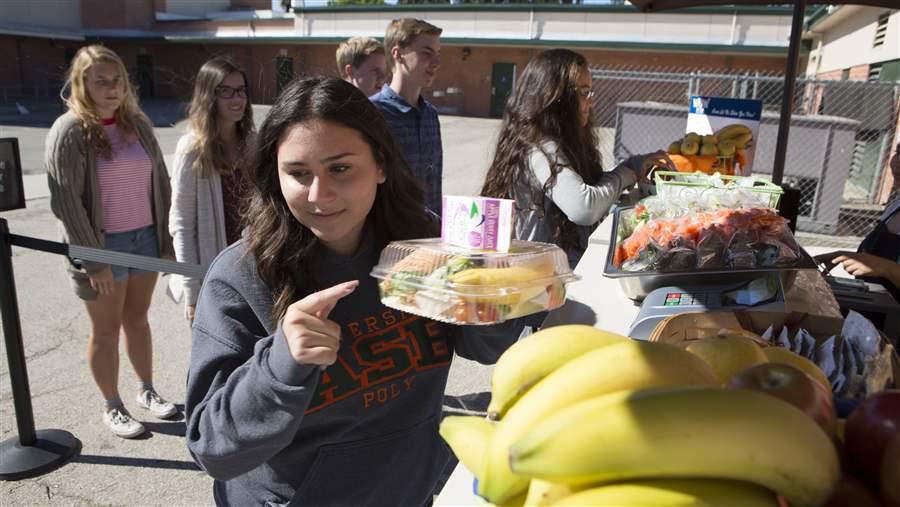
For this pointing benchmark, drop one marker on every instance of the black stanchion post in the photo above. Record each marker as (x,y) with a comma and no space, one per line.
(32,452)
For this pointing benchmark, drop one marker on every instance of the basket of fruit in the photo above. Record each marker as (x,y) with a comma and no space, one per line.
(724,151)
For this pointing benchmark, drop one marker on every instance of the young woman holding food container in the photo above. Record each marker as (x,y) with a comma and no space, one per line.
(299,375)
(109,189)
(547,158)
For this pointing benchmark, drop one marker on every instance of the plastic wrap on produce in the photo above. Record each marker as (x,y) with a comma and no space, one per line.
(458,285)
(734,238)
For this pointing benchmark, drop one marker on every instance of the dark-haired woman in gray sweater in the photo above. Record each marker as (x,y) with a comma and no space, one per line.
(303,388)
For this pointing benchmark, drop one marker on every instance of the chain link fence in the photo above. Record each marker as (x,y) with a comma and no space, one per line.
(840,139)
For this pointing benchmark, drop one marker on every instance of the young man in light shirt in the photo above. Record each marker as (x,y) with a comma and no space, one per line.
(413,48)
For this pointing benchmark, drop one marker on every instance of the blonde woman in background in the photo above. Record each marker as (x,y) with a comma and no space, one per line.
(109,189)
(207,179)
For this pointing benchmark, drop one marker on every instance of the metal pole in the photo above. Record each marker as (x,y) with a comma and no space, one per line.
(787,98)
(12,333)
(31,453)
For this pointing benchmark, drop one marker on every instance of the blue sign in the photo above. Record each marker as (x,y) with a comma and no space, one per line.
(744,109)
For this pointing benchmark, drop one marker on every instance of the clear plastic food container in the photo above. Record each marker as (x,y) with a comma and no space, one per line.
(448,283)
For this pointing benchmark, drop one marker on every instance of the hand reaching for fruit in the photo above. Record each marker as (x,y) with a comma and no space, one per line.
(644,165)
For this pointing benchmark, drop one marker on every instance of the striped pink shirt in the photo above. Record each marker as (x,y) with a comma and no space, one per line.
(125,183)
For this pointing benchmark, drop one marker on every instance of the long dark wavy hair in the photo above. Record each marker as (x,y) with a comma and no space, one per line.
(545,107)
(280,244)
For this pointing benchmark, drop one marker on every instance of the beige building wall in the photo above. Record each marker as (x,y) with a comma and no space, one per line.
(846,39)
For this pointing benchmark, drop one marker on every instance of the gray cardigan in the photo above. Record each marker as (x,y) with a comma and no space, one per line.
(584,205)
(196,219)
(75,193)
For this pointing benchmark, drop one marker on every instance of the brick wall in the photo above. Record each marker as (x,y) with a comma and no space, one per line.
(118,14)
(857,73)
(174,65)
(32,62)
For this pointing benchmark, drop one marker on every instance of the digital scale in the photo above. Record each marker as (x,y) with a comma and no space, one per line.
(667,301)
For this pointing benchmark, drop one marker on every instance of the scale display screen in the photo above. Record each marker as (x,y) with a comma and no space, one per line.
(684,299)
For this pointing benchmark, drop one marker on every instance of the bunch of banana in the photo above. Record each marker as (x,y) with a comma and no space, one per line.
(530,359)
(672,492)
(609,367)
(728,143)
(724,142)
(679,433)
(584,417)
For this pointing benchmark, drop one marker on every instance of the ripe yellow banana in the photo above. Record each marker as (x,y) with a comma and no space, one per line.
(674,148)
(709,139)
(468,437)
(673,493)
(684,432)
(520,283)
(628,365)
(743,140)
(690,147)
(513,275)
(708,149)
(731,131)
(529,360)
(544,493)
(727,148)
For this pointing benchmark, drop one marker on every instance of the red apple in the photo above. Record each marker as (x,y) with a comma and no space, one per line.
(869,430)
(794,386)
(890,473)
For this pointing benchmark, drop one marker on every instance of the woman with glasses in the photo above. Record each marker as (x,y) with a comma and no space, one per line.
(208,174)
(547,157)
(109,188)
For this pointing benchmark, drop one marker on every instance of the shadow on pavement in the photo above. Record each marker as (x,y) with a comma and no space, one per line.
(123,461)
(175,429)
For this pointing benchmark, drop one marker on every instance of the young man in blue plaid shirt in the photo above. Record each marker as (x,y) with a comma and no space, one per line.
(413,50)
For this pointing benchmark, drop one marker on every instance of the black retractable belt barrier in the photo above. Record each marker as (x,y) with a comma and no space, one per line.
(33,452)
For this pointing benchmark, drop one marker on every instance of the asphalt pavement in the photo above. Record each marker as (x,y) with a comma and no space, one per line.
(154,469)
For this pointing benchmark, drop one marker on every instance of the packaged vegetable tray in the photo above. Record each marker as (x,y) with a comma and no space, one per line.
(448,283)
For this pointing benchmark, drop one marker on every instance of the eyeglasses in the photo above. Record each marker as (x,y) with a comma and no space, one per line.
(227,92)
(585,93)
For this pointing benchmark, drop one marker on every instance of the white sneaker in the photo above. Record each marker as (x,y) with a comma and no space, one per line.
(122,424)
(155,404)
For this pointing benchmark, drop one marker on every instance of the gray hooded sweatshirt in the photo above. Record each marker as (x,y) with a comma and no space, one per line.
(361,433)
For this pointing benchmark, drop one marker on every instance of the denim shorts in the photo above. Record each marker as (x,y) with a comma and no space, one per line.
(138,242)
